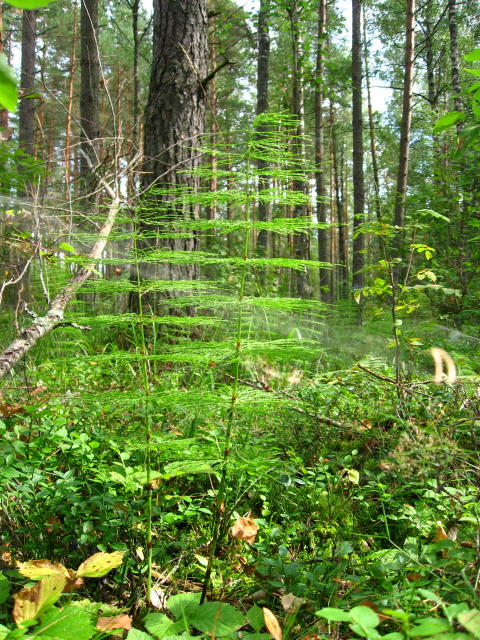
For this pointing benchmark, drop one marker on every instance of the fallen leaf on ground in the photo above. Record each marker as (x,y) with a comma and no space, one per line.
(245,529)
(122,621)
(272,624)
(291,603)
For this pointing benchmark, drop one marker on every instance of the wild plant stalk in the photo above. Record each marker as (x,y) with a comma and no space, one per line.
(148,427)
(220,505)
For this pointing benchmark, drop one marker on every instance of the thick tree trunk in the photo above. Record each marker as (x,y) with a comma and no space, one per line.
(90,85)
(174,122)
(263,76)
(402,178)
(320,149)
(27,107)
(357,129)
(452,26)
(371,125)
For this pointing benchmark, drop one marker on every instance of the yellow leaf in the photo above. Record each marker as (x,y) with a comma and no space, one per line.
(100,564)
(122,621)
(272,624)
(30,603)
(245,529)
(38,569)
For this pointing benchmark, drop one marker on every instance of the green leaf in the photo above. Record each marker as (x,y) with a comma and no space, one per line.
(430,595)
(67,247)
(471,621)
(364,616)
(255,618)
(183,603)
(335,615)
(216,618)
(474,72)
(473,56)
(448,120)
(70,622)
(8,85)
(161,626)
(135,634)
(395,635)
(4,588)
(429,627)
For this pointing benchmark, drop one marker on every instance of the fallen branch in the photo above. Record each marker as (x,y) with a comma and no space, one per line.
(54,316)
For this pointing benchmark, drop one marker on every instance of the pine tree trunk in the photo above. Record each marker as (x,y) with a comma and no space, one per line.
(452,27)
(68,125)
(371,125)
(89,85)
(27,106)
(135,6)
(301,240)
(402,178)
(357,129)
(342,230)
(320,149)
(263,76)
(3,112)
(174,120)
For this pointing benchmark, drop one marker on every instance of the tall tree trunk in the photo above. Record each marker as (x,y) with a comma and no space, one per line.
(342,230)
(27,81)
(301,240)
(371,125)
(357,129)
(68,126)
(333,227)
(3,112)
(263,76)
(135,7)
(402,178)
(212,208)
(89,85)
(320,149)
(452,27)
(174,121)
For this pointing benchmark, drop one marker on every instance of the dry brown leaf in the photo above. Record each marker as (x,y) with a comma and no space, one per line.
(158,599)
(311,636)
(272,624)
(291,603)
(413,577)
(30,603)
(121,621)
(468,544)
(38,569)
(245,529)
(52,523)
(72,581)
(440,533)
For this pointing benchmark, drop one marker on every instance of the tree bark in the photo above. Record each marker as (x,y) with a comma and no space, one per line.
(27,81)
(301,240)
(3,112)
(371,125)
(263,77)
(357,129)
(320,149)
(452,27)
(402,177)
(342,229)
(174,122)
(89,86)
(68,126)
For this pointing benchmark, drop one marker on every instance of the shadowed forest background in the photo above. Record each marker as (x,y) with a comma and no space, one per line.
(240,319)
